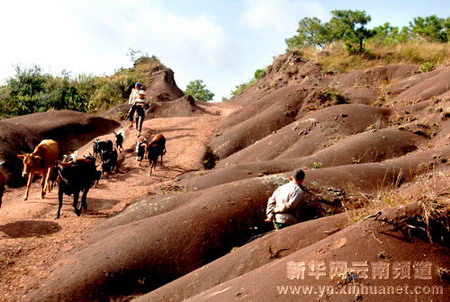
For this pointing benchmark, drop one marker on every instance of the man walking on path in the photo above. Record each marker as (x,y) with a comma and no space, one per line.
(134,95)
(141,106)
(285,201)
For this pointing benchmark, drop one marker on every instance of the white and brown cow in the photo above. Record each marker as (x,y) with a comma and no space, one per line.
(41,162)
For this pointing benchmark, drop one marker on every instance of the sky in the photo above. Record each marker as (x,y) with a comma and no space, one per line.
(221,42)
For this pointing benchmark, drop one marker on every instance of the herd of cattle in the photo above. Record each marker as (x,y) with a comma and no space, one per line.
(76,175)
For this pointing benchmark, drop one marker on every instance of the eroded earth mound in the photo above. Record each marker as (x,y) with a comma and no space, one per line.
(69,128)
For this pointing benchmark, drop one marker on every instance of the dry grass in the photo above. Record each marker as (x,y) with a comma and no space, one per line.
(364,205)
(432,190)
(145,67)
(414,53)
(335,58)
(435,203)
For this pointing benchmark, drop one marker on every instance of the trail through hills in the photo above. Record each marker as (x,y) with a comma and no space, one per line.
(32,240)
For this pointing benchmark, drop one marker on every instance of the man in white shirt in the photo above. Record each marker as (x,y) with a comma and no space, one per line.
(134,95)
(141,106)
(285,201)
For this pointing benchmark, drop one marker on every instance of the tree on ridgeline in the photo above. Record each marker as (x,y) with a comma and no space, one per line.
(350,26)
(346,25)
(431,28)
(197,89)
(387,34)
(310,32)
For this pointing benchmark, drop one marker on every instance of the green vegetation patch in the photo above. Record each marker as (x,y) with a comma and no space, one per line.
(32,90)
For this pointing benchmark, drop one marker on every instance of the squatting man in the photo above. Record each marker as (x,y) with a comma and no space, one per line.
(284,201)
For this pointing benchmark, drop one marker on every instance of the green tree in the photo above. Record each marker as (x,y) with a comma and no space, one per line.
(404,34)
(387,34)
(198,91)
(29,81)
(347,25)
(431,28)
(31,90)
(350,26)
(25,93)
(446,25)
(310,32)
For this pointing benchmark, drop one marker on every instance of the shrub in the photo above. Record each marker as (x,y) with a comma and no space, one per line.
(317,165)
(428,66)
(332,95)
(260,73)
(242,87)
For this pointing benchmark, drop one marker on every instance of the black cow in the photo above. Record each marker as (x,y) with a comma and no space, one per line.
(109,162)
(54,175)
(102,146)
(66,159)
(120,137)
(73,178)
(98,174)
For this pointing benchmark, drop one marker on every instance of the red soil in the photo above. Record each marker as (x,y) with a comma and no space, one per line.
(386,142)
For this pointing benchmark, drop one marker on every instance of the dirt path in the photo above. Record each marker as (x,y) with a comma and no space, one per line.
(31,240)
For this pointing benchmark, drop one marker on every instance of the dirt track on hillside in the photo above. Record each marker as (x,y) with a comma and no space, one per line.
(32,241)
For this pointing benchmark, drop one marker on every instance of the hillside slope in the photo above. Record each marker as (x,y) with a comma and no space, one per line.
(375,146)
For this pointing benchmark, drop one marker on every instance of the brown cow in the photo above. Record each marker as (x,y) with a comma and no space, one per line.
(40,162)
(2,187)
(156,148)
